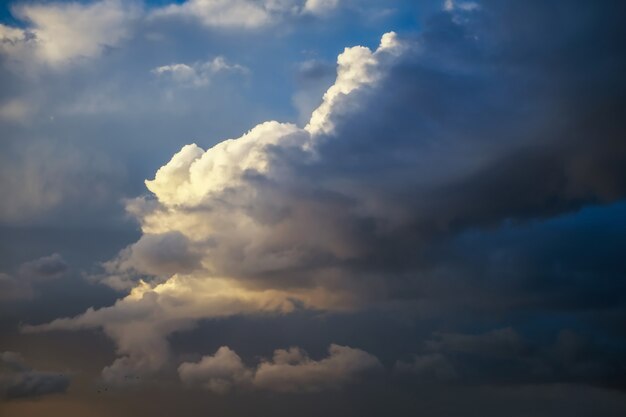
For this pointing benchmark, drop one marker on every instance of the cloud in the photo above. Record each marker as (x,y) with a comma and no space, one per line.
(198,74)
(292,370)
(244,14)
(320,7)
(406,152)
(43,175)
(18,380)
(222,13)
(289,370)
(21,285)
(58,33)
(218,373)
(428,367)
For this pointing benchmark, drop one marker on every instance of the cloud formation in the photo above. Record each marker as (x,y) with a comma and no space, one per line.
(244,14)
(407,150)
(289,370)
(57,33)
(198,74)
(21,284)
(18,380)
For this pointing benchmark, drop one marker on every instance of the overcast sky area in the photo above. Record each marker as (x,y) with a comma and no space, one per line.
(312,207)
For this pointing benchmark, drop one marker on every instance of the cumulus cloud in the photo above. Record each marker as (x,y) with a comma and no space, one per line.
(198,74)
(218,373)
(408,148)
(21,284)
(18,380)
(289,370)
(57,33)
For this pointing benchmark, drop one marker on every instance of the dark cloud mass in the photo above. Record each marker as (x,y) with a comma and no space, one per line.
(18,380)
(438,231)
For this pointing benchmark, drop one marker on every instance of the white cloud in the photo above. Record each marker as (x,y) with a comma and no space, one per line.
(289,370)
(221,13)
(198,74)
(468,6)
(227,231)
(57,33)
(320,7)
(244,14)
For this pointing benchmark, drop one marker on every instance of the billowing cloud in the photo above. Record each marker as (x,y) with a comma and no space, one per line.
(18,380)
(57,33)
(198,74)
(289,370)
(292,370)
(21,284)
(409,148)
(218,373)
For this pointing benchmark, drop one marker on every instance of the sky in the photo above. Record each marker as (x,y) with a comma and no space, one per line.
(312,207)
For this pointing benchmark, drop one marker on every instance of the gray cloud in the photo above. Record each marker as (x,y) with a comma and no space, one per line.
(416,143)
(22,284)
(20,381)
(289,370)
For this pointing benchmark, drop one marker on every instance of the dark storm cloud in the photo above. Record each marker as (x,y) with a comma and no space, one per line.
(18,380)
(503,356)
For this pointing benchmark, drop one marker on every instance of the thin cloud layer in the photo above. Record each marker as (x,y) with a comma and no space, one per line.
(198,74)
(289,370)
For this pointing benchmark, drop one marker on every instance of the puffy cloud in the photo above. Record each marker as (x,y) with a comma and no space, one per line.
(293,370)
(198,74)
(18,380)
(21,285)
(218,373)
(57,33)
(140,322)
(407,150)
(289,370)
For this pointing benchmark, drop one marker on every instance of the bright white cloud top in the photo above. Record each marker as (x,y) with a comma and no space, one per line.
(213,230)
